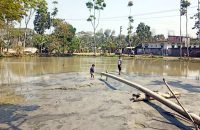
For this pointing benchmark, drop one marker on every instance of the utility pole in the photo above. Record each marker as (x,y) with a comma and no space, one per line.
(198,21)
(184,11)
(187,43)
(180,31)
(120,40)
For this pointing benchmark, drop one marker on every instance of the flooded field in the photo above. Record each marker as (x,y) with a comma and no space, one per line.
(18,69)
(57,93)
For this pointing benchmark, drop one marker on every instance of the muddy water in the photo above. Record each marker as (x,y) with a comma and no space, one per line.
(17,69)
(24,71)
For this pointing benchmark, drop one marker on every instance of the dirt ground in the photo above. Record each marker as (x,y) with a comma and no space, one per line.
(73,101)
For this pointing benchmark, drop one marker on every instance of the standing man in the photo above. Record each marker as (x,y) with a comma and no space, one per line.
(119,64)
(92,71)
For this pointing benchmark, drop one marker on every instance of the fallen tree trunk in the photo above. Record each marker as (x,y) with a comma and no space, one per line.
(157,97)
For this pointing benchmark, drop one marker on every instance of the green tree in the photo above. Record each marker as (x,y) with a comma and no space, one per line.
(53,44)
(95,6)
(11,10)
(55,9)
(100,38)
(74,44)
(184,5)
(64,32)
(135,40)
(86,39)
(130,27)
(30,7)
(143,32)
(197,22)
(42,18)
(110,40)
(53,13)
(39,40)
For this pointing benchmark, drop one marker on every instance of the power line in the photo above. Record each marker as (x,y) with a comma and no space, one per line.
(149,13)
(125,19)
(136,15)
(164,11)
(168,16)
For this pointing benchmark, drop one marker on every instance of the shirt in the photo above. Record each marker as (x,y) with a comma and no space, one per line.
(119,61)
(92,70)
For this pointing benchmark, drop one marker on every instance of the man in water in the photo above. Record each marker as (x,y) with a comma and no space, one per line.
(119,64)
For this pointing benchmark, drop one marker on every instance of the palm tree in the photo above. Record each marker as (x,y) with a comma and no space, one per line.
(95,6)
(180,32)
(184,5)
(130,18)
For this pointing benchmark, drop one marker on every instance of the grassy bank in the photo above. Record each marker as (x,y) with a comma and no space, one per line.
(138,57)
(144,57)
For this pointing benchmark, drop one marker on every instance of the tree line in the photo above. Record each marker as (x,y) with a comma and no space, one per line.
(62,36)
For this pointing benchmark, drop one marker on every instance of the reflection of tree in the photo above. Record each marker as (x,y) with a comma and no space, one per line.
(146,67)
(41,65)
(187,69)
(160,67)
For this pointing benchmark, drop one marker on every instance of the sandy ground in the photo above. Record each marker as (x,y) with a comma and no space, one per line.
(73,101)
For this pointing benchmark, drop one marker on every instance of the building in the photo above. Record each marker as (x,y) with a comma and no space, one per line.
(172,46)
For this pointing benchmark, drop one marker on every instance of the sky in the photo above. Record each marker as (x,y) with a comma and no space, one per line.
(161,15)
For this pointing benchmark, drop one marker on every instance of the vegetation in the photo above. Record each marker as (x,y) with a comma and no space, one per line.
(184,5)
(143,32)
(197,21)
(30,10)
(42,18)
(130,27)
(11,11)
(95,6)
(62,36)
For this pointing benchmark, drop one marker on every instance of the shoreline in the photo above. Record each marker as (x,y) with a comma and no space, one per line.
(137,57)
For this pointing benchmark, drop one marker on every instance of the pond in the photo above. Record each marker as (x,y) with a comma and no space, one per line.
(17,69)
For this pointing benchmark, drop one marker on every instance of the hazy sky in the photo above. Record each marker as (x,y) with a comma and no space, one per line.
(161,15)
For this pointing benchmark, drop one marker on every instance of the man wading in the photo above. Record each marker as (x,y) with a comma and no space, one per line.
(119,64)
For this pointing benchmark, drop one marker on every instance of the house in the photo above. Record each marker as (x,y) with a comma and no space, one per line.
(156,46)
(181,45)
(172,46)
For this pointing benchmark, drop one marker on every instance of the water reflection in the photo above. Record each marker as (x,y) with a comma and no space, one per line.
(165,68)
(16,69)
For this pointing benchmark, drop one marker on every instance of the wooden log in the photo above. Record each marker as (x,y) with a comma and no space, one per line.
(156,96)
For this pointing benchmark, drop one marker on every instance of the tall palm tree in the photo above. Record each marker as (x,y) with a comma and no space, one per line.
(184,5)
(95,6)
(130,18)
(180,31)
